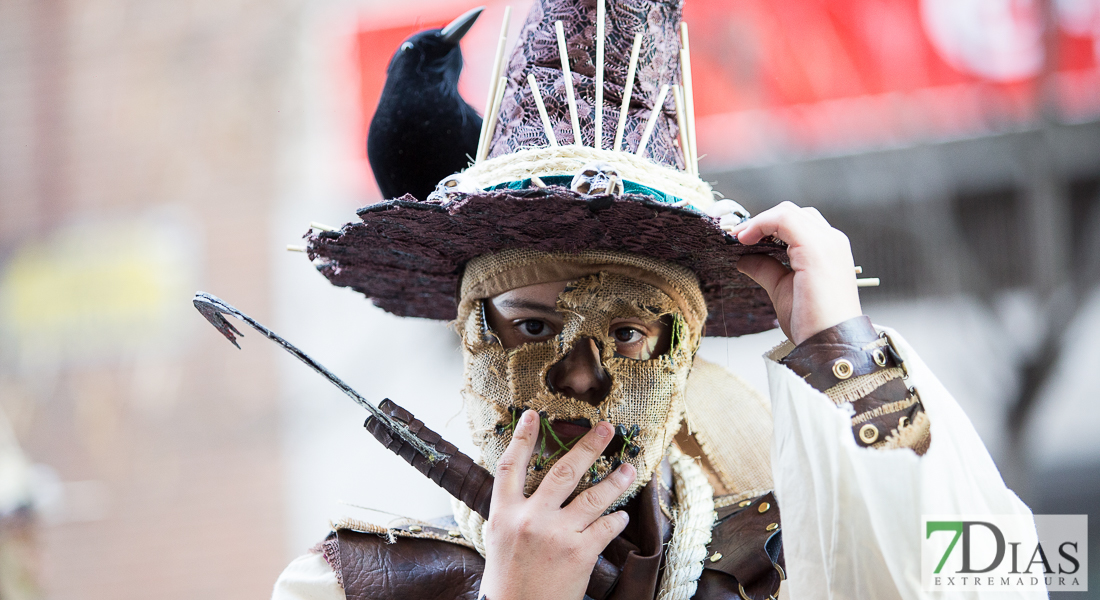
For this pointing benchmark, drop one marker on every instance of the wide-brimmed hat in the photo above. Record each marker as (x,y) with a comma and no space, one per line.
(540,182)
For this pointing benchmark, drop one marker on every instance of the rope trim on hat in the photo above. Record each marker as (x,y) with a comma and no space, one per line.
(567,160)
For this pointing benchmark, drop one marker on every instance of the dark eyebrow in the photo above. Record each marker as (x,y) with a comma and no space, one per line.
(527,305)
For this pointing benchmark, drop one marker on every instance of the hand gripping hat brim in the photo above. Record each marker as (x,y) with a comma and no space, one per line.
(409,255)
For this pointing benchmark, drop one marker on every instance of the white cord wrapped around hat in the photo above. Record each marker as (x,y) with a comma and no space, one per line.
(566,160)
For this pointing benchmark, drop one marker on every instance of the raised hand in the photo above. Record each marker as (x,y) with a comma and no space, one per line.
(819,289)
(535,548)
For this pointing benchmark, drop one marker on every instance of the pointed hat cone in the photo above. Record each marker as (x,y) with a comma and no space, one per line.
(519,126)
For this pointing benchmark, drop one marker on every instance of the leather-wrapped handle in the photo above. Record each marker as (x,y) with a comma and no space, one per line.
(457,473)
(464,479)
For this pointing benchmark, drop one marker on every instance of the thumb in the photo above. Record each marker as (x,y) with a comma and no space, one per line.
(764,270)
(769,273)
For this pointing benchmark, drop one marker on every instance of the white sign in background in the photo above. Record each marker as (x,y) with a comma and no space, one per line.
(1004,552)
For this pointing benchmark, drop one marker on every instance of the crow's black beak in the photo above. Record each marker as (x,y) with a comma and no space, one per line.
(458,28)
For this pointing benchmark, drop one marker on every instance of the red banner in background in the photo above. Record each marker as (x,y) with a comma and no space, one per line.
(814,76)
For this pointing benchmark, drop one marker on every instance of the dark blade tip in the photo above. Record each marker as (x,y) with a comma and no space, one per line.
(209,307)
(454,30)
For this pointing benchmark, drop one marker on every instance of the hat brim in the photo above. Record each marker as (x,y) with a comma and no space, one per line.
(408,256)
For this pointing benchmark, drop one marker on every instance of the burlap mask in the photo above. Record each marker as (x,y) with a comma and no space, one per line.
(646,398)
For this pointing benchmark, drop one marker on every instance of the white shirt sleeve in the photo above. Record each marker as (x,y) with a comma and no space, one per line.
(308,577)
(852,515)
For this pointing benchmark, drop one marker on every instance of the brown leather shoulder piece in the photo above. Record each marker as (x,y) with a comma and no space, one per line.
(371,568)
(716,585)
(747,545)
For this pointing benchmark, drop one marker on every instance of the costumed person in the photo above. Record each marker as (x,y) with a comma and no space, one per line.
(582,260)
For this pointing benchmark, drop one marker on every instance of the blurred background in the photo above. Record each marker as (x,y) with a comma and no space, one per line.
(150,149)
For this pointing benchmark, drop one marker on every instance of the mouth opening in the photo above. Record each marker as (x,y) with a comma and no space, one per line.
(558,436)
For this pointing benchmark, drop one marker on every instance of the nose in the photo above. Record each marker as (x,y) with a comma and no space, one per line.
(580,375)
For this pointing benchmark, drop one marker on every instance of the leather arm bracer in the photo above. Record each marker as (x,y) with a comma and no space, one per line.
(855,366)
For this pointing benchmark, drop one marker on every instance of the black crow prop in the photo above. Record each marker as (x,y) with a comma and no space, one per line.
(423,130)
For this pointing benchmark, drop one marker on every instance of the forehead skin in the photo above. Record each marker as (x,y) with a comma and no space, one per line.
(541,297)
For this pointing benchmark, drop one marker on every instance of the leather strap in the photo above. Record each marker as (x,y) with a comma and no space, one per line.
(890,393)
(818,359)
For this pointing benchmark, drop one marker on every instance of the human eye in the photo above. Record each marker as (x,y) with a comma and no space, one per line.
(634,341)
(628,335)
(531,329)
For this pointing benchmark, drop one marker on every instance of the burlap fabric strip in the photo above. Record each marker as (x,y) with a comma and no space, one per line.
(493,274)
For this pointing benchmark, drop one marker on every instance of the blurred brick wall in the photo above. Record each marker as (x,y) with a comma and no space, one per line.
(169,462)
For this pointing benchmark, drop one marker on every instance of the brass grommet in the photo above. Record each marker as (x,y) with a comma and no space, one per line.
(902,422)
(842,368)
(879,356)
(741,590)
(415,528)
(744,503)
(764,506)
(717,556)
(772,527)
(868,433)
(454,533)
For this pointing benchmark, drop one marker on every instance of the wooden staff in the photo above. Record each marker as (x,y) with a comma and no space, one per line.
(658,108)
(563,51)
(601,17)
(546,126)
(494,78)
(681,123)
(689,96)
(630,70)
(491,118)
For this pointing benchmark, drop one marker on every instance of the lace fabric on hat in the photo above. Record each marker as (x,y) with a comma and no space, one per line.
(646,399)
(519,126)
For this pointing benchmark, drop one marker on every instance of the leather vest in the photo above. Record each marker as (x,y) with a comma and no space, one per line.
(745,557)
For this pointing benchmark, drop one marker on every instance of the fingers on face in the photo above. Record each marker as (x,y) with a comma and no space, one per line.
(592,503)
(607,528)
(512,465)
(566,473)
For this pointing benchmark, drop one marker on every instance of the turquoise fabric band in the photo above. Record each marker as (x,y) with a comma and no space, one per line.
(629,187)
